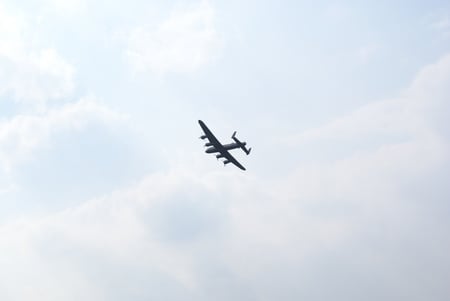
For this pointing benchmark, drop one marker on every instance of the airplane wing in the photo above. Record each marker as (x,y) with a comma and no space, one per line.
(210,135)
(218,146)
(230,158)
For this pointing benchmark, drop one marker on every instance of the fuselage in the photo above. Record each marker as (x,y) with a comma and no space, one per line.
(227,147)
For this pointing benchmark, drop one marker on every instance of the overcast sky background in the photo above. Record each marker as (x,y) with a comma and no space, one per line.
(106,194)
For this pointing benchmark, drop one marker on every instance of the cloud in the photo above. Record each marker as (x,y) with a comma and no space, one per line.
(119,229)
(358,225)
(183,43)
(30,74)
(66,7)
(350,219)
(409,116)
(378,148)
(22,134)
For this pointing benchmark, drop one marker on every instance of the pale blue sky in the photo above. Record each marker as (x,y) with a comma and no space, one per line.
(106,193)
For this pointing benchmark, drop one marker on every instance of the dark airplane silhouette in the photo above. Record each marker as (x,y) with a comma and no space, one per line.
(214,146)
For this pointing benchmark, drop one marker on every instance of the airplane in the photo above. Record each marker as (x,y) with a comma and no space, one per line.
(214,146)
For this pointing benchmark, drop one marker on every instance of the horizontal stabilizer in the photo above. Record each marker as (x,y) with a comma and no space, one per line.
(241,144)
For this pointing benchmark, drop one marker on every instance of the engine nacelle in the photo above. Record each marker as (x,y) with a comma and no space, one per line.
(207,144)
(203,137)
(210,150)
(226,162)
(219,156)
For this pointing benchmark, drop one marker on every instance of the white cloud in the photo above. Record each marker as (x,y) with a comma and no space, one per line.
(22,134)
(375,146)
(407,115)
(28,73)
(115,228)
(350,225)
(139,229)
(183,43)
(66,7)
(430,86)
(236,232)
(11,32)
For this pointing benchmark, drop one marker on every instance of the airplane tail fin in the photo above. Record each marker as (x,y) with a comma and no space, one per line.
(241,144)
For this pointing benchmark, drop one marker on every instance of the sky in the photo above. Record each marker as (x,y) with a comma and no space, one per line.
(106,192)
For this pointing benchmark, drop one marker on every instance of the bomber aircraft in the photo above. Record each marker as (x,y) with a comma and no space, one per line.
(214,146)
